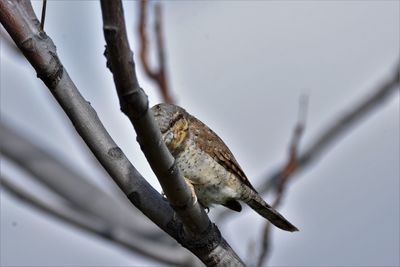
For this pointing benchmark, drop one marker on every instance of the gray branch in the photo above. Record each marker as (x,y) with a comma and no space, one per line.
(69,184)
(20,22)
(134,104)
(99,228)
(198,232)
(40,51)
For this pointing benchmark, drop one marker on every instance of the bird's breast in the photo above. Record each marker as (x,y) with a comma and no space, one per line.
(197,166)
(212,182)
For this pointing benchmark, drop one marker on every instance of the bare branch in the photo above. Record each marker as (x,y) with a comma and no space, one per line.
(292,162)
(199,235)
(337,128)
(6,40)
(22,25)
(290,167)
(279,181)
(158,76)
(134,104)
(99,228)
(41,27)
(332,133)
(67,183)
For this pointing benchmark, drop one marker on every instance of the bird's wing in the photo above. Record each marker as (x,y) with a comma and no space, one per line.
(216,148)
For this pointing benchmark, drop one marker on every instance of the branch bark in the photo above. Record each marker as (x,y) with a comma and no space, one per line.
(69,184)
(199,234)
(134,104)
(22,25)
(98,227)
(19,20)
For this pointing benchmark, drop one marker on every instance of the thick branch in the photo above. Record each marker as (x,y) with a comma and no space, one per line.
(67,183)
(98,227)
(22,25)
(199,235)
(6,40)
(134,104)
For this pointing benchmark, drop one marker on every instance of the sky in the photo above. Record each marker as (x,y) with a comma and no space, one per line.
(240,67)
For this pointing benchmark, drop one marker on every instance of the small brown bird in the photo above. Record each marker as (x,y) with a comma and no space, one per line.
(209,168)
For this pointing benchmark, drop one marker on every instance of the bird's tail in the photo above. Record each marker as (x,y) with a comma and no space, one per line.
(251,198)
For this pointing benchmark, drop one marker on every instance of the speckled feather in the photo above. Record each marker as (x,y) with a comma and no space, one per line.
(209,167)
(208,141)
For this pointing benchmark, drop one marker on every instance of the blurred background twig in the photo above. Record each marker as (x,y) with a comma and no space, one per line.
(157,74)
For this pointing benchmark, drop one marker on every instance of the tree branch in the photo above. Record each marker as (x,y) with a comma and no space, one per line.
(43,17)
(20,22)
(337,128)
(279,180)
(99,228)
(134,104)
(7,41)
(40,51)
(67,183)
(328,136)
(158,76)
(290,167)
(199,235)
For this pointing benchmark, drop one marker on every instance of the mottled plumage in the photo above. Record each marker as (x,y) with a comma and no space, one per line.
(208,166)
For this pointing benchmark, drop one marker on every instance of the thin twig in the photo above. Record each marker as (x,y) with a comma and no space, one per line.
(97,227)
(43,15)
(292,162)
(159,76)
(279,181)
(331,134)
(290,167)
(337,128)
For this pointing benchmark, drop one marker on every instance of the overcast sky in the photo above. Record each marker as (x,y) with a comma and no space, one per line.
(240,67)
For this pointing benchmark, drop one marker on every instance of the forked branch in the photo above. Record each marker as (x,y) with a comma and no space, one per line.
(200,236)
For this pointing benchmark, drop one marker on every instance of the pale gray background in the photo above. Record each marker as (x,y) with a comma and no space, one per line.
(240,67)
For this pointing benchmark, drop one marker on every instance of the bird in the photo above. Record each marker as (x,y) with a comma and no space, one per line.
(208,166)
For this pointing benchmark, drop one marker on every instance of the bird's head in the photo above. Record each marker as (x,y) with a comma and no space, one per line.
(166,115)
